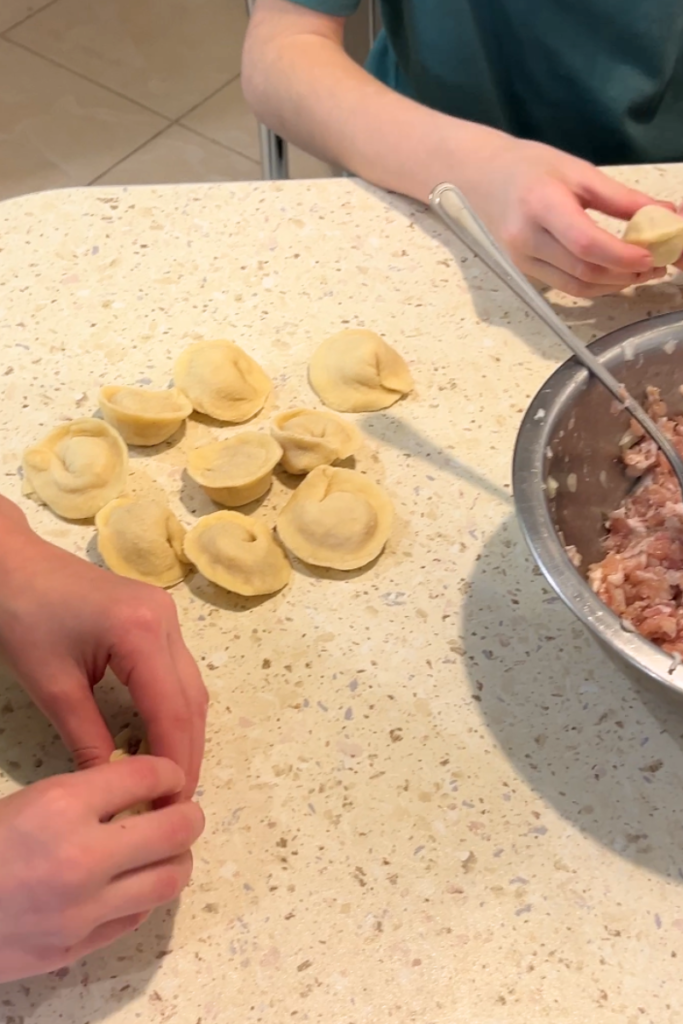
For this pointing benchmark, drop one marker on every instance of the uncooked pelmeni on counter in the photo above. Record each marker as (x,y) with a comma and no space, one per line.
(311,438)
(659,230)
(356,371)
(222,381)
(238,553)
(235,471)
(142,539)
(141,416)
(337,518)
(77,468)
(127,745)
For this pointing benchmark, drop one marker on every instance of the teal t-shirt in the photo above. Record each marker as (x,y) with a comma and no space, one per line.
(602,79)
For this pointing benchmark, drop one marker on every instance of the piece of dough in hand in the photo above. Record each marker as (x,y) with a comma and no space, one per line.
(660,231)
(356,371)
(222,381)
(310,438)
(238,553)
(337,518)
(143,540)
(235,471)
(127,746)
(77,468)
(141,416)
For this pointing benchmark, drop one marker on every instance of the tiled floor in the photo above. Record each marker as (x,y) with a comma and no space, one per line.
(127,92)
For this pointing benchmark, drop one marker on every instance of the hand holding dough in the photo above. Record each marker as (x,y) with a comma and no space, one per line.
(127,746)
(77,468)
(238,553)
(356,371)
(311,438)
(336,518)
(142,416)
(235,471)
(143,540)
(658,229)
(221,380)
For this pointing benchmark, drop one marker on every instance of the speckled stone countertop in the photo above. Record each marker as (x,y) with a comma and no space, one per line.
(430,797)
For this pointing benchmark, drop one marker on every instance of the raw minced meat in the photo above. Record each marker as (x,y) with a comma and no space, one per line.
(641,576)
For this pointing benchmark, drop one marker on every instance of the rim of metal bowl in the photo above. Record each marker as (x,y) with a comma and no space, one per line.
(534,515)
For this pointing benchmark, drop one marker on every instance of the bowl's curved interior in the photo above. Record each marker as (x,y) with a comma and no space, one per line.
(570,435)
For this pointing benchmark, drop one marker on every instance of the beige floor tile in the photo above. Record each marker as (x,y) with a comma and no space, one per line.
(226,118)
(179,155)
(12,11)
(167,54)
(57,129)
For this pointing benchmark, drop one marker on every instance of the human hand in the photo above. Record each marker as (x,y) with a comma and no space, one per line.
(534,198)
(72,881)
(63,621)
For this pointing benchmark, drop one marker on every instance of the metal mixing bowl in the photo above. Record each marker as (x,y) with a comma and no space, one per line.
(571,434)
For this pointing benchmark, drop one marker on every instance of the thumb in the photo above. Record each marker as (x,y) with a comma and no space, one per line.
(600,192)
(69,703)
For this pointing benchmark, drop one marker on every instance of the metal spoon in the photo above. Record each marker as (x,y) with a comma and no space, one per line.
(457,214)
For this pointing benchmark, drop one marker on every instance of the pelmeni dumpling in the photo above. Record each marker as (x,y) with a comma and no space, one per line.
(235,471)
(142,539)
(336,518)
(221,380)
(77,468)
(142,416)
(238,553)
(356,371)
(311,438)
(128,746)
(659,230)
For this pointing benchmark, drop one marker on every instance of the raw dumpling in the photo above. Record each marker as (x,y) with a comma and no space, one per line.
(221,380)
(659,230)
(356,371)
(77,468)
(127,746)
(237,470)
(143,540)
(337,518)
(238,553)
(310,438)
(142,416)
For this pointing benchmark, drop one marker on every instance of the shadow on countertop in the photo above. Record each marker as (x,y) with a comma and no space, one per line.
(603,748)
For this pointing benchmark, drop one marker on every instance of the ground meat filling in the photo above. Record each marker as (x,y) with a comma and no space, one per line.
(641,576)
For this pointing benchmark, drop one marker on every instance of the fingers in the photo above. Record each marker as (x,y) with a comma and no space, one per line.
(111,788)
(600,192)
(148,838)
(563,216)
(555,278)
(139,891)
(549,250)
(69,704)
(192,684)
(103,935)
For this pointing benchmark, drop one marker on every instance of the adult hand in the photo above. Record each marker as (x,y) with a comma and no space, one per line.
(534,198)
(72,881)
(63,621)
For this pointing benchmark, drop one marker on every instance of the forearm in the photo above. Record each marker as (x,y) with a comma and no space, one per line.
(306,88)
(17,541)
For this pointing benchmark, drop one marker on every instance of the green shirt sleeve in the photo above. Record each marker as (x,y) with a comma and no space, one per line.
(339,8)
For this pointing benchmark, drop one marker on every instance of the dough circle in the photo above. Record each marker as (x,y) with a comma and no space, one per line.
(311,437)
(660,231)
(128,746)
(143,540)
(237,470)
(238,553)
(357,371)
(142,416)
(222,381)
(336,518)
(77,468)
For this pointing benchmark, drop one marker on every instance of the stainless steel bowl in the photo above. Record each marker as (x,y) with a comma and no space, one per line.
(571,434)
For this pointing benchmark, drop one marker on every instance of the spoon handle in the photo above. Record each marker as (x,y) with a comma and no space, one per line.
(457,214)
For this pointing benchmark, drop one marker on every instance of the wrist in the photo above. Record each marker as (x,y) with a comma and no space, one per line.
(17,539)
